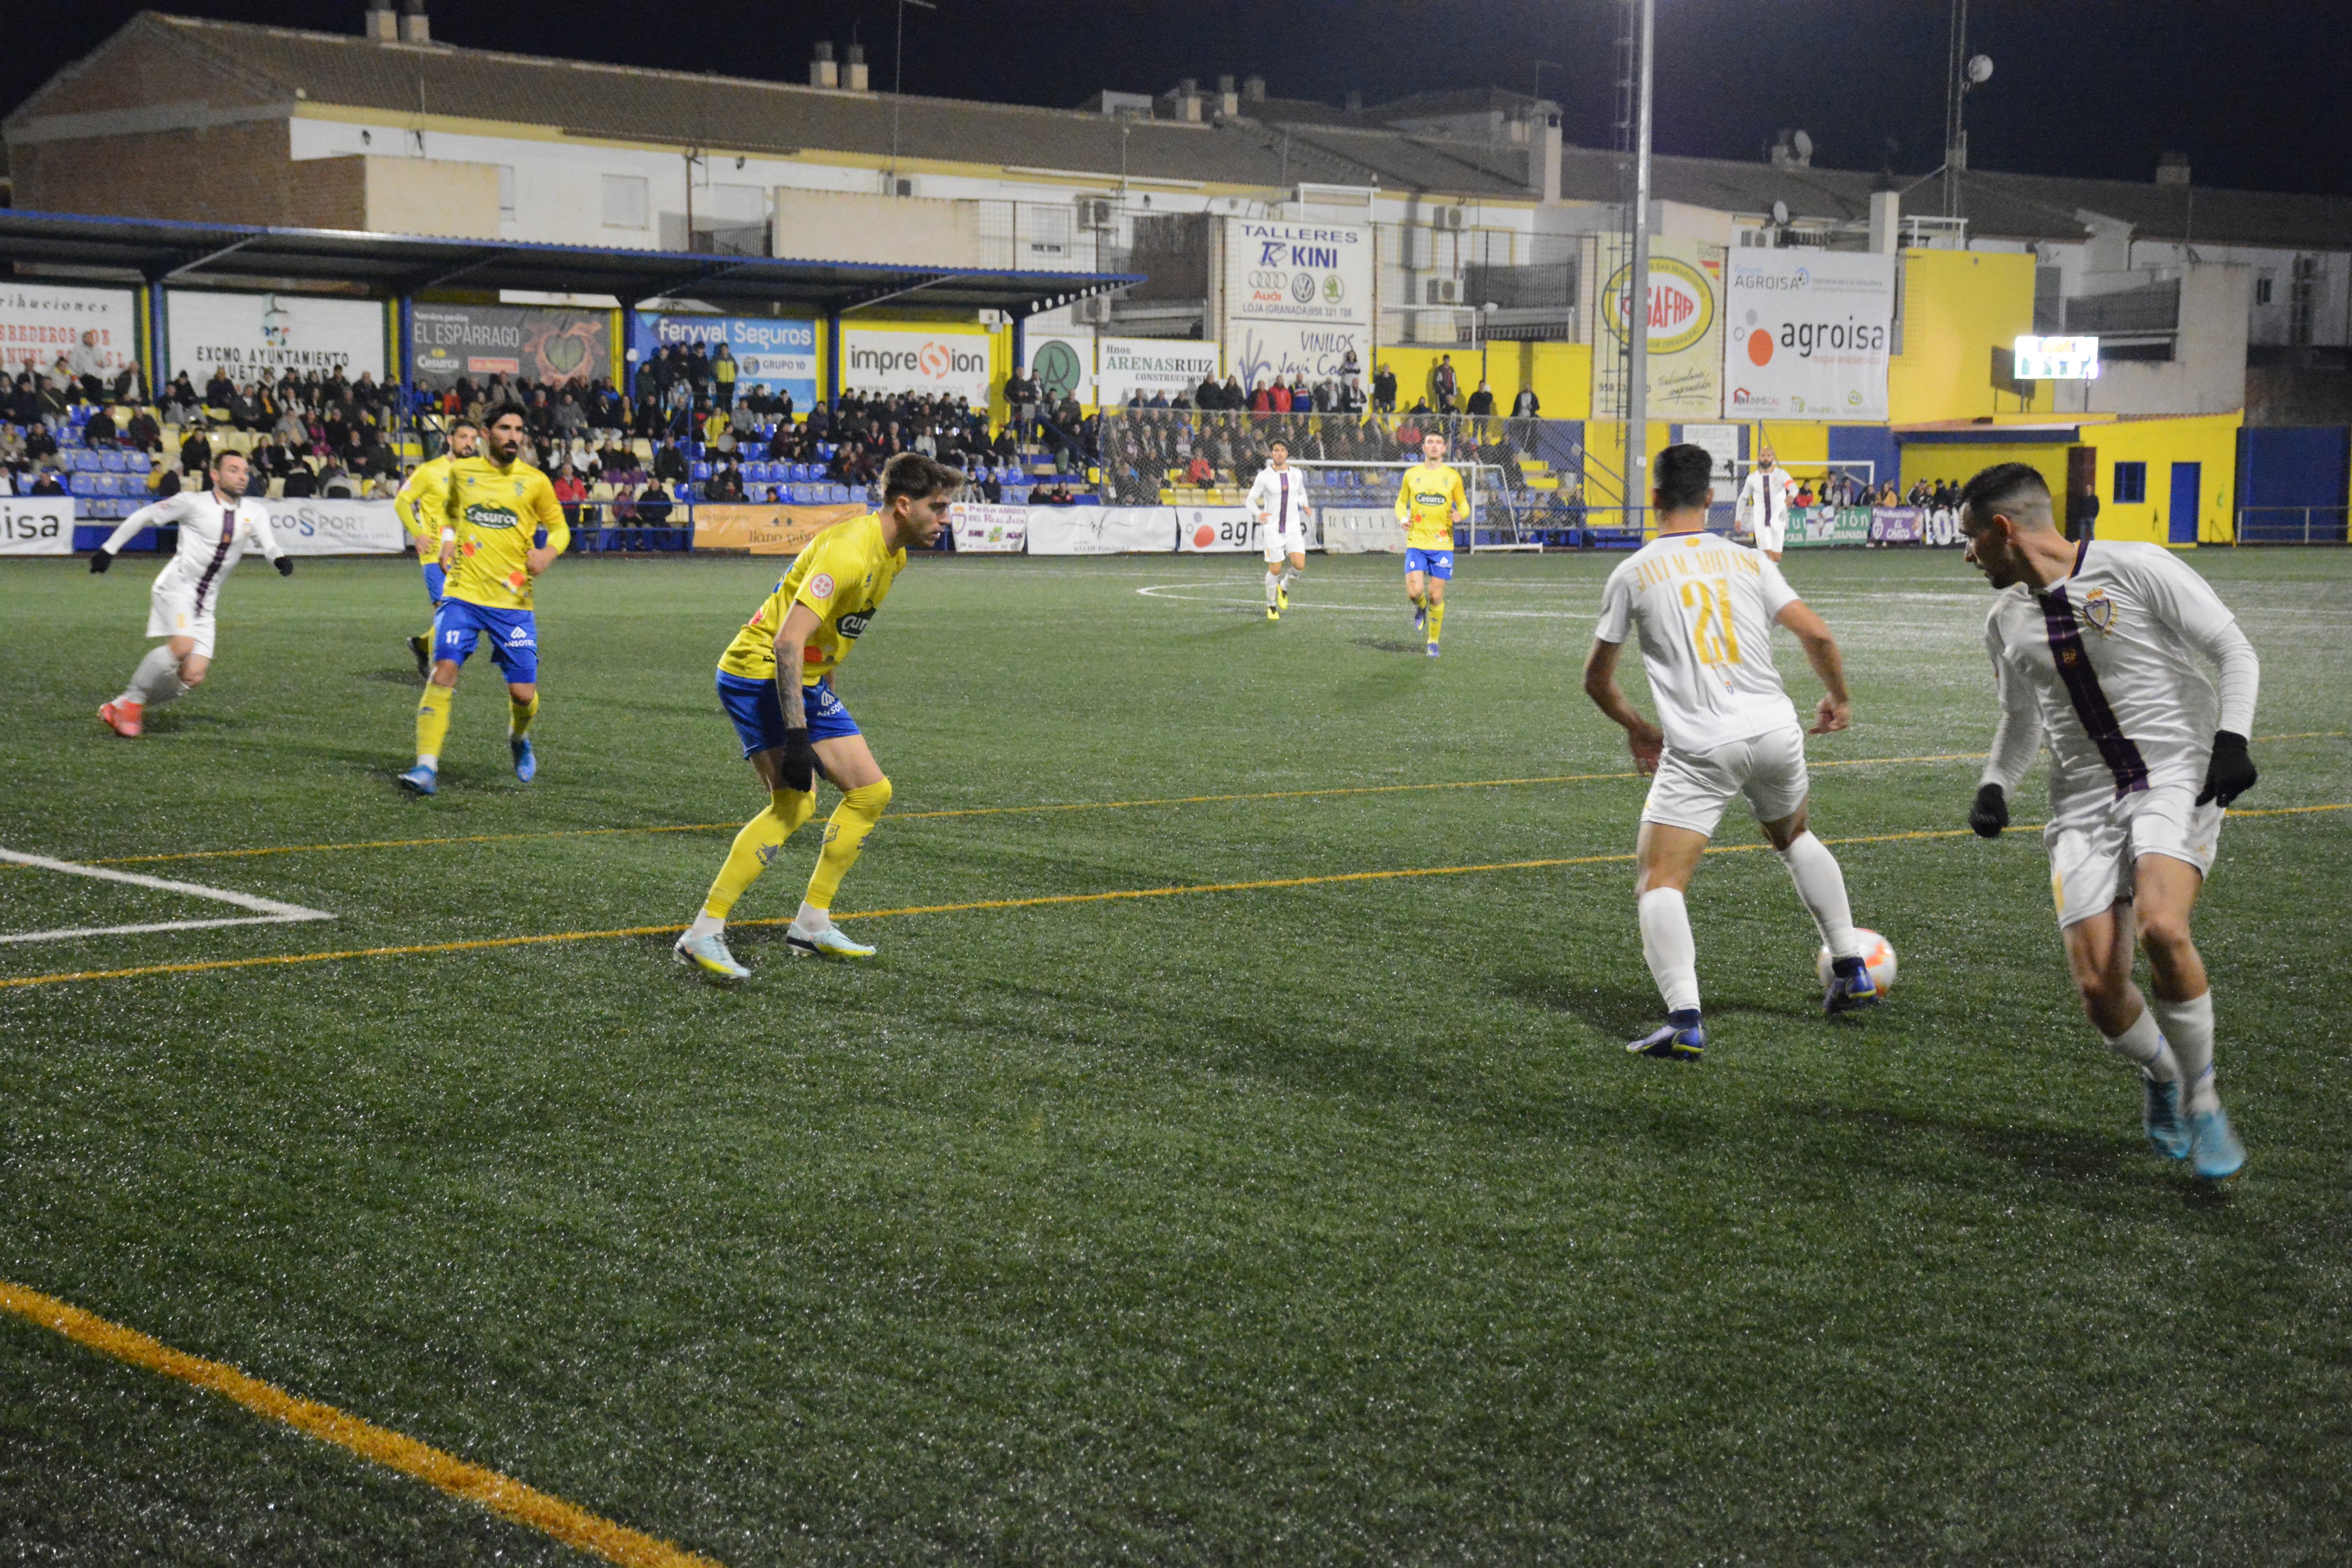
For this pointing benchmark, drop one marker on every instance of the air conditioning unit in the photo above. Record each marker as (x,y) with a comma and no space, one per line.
(1092,312)
(1443,291)
(902,187)
(1096,212)
(1446,217)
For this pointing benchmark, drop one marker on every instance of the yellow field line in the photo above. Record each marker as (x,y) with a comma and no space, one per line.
(502,1495)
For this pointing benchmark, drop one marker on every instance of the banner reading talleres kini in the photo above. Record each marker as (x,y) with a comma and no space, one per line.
(1298,296)
(1809,334)
(544,346)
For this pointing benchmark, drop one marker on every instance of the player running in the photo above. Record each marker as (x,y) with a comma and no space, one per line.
(216,526)
(1279,496)
(775,681)
(428,481)
(1429,503)
(2091,648)
(1765,498)
(500,528)
(1703,608)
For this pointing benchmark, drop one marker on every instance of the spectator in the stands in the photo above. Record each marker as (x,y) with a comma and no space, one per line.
(47,483)
(218,389)
(98,429)
(142,433)
(669,464)
(301,483)
(1481,403)
(571,492)
(722,378)
(725,484)
(1443,384)
(195,451)
(653,504)
(1524,407)
(1201,472)
(1384,390)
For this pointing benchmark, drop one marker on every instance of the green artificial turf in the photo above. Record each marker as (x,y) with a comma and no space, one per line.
(1325,1223)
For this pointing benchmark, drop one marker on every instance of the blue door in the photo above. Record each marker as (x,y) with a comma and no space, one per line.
(2185,478)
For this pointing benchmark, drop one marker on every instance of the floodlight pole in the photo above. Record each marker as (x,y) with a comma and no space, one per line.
(1955,90)
(1637,286)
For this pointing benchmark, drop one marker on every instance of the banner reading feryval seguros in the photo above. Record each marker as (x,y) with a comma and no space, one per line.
(1809,335)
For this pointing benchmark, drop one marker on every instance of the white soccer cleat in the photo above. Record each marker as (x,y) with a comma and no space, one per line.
(710,953)
(827,944)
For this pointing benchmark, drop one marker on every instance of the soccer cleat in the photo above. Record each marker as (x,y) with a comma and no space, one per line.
(525,760)
(2160,1118)
(1420,617)
(420,779)
(827,944)
(1850,988)
(2214,1151)
(1674,1042)
(1281,598)
(422,646)
(122,717)
(1433,651)
(1272,613)
(710,953)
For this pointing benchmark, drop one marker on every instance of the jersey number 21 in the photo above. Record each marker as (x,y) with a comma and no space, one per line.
(1712,637)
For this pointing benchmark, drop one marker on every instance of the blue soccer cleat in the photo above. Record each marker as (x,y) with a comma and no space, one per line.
(1420,617)
(1673,1042)
(710,953)
(1850,987)
(420,779)
(525,760)
(2214,1151)
(2161,1117)
(1432,650)
(827,944)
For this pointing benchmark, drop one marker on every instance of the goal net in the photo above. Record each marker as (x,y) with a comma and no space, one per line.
(1355,507)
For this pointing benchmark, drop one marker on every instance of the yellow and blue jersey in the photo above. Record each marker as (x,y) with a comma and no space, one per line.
(844,575)
(420,502)
(1428,501)
(497,512)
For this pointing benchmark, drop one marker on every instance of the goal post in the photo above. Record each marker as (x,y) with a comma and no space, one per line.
(1363,494)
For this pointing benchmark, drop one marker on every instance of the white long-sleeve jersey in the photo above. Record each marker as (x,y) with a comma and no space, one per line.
(2102,666)
(213,537)
(1279,496)
(1764,497)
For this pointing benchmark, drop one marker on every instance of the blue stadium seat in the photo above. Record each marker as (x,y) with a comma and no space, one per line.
(701,471)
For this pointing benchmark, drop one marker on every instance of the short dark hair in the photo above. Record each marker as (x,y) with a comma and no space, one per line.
(1999,487)
(492,416)
(1277,441)
(912,474)
(1682,476)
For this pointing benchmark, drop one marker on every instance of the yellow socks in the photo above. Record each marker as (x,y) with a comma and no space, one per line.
(756,846)
(1436,620)
(844,837)
(521,714)
(432,722)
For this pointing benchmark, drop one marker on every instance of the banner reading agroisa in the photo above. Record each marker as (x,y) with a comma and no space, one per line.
(1809,334)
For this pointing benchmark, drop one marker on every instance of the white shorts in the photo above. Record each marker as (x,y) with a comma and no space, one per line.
(1774,539)
(1692,788)
(2094,844)
(172,613)
(1282,546)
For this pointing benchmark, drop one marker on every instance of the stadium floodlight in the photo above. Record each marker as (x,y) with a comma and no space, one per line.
(2055,359)
(1979,69)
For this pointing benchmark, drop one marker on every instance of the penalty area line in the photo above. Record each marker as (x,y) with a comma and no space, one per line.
(502,1495)
(267,911)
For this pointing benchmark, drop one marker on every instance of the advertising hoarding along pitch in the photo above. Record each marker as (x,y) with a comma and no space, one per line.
(547,346)
(1810,334)
(94,328)
(936,361)
(773,351)
(249,336)
(37,525)
(1298,296)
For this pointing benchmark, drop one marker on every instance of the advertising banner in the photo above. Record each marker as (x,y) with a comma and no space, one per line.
(940,361)
(1898,525)
(543,346)
(1298,296)
(37,525)
(1685,322)
(1101,530)
(1215,530)
(1062,367)
(764,530)
(249,336)
(321,526)
(989,530)
(1809,336)
(1141,367)
(94,328)
(775,352)
(1830,525)
(1361,531)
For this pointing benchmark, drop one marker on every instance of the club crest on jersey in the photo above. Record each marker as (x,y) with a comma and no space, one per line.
(2099,610)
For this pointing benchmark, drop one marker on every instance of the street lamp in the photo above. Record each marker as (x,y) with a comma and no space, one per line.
(1479,318)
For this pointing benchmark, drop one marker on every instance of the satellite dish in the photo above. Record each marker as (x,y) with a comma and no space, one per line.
(1803,143)
(1979,69)
(1780,212)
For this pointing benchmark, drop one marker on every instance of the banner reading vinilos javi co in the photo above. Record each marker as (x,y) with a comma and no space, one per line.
(1809,336)
(1685,327)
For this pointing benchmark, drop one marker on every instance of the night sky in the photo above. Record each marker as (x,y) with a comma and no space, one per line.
(2253,91)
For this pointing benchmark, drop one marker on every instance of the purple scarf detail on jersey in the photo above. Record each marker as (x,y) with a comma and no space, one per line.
(2123,757)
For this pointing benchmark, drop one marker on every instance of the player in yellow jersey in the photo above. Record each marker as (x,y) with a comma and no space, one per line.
(775,681)
(500,528)
(1429,503)
(422,487)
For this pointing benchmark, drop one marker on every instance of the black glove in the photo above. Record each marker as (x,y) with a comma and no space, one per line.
(100,559)
(284,564)
(2232,772)
(1990,815)
(799,761)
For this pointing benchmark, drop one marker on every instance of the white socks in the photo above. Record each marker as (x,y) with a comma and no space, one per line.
(157,679)
(2143,1046)
(810,921)
(1290,574)
(1273,586)
(2188,1026)
(1821,886)
(705,924)
(1669,949)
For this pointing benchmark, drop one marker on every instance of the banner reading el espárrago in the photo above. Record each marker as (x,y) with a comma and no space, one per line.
(545,345)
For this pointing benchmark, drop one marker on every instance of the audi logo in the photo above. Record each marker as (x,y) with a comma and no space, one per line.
(1277,281)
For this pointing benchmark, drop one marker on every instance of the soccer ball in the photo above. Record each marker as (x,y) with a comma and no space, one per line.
(1877,956)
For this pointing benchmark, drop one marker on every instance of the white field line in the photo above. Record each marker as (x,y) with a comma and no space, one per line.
(1401,610)
(267,911)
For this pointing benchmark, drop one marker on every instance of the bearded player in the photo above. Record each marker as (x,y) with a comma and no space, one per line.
(2095,651)
(1429,503)
(1279,496)
(500,528)
(775,681)
(216,526)
(429,481)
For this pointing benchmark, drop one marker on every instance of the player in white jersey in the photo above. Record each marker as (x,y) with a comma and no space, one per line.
(1278,498)
(216,526)
(2095,651)
(1704,609)
(1765,498)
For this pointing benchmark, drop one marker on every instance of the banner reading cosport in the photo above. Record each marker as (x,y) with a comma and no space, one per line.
(1809,334)
(942,363)
(1298,296)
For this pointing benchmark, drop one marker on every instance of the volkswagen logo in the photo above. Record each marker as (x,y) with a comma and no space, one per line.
(1302,288)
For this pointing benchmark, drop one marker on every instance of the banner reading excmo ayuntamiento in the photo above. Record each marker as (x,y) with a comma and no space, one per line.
(1809,334)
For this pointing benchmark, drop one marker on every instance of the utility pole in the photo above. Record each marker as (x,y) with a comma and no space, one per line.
(1637,280)
(1956,136)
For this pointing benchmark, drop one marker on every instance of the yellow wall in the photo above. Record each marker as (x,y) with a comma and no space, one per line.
(2211,441)
(1957,306)
(1931,462)
(1560,373)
